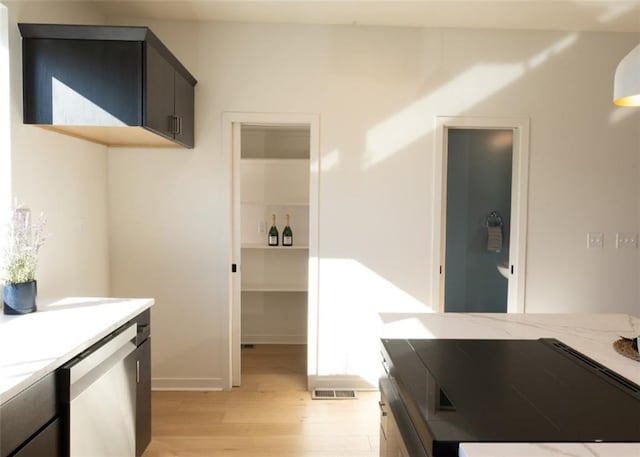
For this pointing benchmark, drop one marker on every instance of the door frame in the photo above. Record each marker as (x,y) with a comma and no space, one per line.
(519,203)
(231,122)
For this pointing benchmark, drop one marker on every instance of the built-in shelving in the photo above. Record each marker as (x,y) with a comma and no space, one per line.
(275,204)
(274,170)
(274,287)
(271,248)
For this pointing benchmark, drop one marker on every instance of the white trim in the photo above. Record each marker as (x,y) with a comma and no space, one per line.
(519,202)
(229,119)
(195,384)
(236,256)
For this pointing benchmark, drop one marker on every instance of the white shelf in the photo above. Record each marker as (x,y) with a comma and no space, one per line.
(269,248)
(273,288)
(274,161)
(262,203)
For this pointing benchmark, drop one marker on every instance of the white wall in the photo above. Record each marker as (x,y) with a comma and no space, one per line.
(61,176)
(5,127)
(377,91)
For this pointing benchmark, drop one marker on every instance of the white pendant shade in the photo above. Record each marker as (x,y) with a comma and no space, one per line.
(626,86)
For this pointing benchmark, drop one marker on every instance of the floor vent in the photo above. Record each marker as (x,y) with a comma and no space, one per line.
(332,394)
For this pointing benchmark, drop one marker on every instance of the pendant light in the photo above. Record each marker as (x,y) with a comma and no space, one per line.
(626,85)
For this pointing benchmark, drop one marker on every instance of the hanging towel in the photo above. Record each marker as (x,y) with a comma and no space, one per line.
(494,238)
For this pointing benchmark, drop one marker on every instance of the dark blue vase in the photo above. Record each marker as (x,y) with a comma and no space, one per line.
(20,298)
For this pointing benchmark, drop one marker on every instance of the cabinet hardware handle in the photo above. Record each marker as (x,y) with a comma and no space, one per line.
(171,124)
(179,118)
(137,372)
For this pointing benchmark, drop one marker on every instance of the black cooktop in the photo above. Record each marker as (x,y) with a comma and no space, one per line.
(511,391)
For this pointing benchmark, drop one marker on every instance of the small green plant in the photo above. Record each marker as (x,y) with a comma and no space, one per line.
(24,240)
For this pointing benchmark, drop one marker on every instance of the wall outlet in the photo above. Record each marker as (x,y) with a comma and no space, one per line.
(262,227)
(626,240)
(595,240)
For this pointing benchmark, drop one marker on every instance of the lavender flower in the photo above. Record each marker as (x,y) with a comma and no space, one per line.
(24,240)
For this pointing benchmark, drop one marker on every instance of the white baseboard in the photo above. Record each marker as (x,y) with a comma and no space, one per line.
(178,384)
(340,383)
(274,339)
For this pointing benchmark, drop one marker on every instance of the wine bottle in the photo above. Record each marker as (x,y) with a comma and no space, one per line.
(273,232)
(287,234)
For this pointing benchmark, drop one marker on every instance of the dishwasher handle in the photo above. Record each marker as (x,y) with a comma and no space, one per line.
(93,363)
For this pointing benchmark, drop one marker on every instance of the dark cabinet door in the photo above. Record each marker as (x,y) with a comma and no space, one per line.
(143,397)
(184,96)
(159,93)
(46,443)
(24,414)
(82,82)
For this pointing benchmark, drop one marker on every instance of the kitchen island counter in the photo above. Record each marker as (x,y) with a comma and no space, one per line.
(590,334)
(34,345)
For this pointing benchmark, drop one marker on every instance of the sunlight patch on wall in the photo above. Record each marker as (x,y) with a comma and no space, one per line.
(330,160)
(616,10)
(353,297)
(551,51)
(618,114)
(457,96)
(68,105)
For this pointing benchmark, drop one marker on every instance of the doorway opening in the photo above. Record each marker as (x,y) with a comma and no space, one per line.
(480,214)
(274,238)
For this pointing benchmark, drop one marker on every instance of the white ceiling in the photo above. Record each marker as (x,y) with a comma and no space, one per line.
(595,15)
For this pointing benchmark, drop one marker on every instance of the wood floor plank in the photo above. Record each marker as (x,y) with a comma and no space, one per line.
(271,414)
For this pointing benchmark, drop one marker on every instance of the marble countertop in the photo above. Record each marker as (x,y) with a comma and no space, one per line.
(549,450)
(33,345)
(591,334)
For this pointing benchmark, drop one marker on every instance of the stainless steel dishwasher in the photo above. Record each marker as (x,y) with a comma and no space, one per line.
(99,397)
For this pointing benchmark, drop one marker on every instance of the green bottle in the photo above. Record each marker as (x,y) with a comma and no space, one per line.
(273,232)
(287,234)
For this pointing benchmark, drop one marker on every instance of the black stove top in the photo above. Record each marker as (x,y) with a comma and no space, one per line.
(510,391)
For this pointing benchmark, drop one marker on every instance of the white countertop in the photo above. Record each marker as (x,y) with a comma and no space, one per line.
(549,450)
(33,345)
(591,334)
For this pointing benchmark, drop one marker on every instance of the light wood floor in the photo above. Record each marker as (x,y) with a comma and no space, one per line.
(272,414)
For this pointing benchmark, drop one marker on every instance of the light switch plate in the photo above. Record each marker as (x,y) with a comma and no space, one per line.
(626,240)
(595,240)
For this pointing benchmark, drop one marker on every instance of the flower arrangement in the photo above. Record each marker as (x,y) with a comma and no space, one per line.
(23,241)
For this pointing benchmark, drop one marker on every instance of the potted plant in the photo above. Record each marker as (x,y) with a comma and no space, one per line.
(20,259)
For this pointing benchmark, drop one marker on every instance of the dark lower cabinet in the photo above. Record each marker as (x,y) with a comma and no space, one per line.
(35,422)
(28,421)
(143,397)
(47,442)
(143,379)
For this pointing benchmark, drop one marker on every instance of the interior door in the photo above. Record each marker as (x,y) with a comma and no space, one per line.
(516,233)
(236,276)
(478,219)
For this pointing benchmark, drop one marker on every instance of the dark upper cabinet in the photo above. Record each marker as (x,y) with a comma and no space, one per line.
(118,86)
(184,107)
